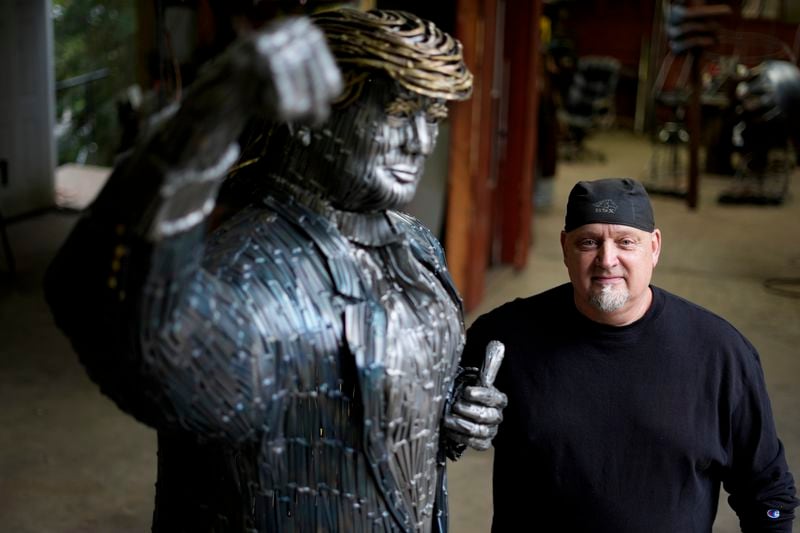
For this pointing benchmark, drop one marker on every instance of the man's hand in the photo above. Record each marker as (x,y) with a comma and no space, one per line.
(477,410)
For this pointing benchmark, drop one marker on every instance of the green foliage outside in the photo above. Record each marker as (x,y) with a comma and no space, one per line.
(92,37)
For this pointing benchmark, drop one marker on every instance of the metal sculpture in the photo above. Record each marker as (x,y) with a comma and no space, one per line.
(767,106)
(299,361)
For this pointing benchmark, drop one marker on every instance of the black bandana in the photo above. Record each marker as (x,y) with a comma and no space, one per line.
(609,201)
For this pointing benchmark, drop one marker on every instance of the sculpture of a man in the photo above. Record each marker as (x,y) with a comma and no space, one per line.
(298,361)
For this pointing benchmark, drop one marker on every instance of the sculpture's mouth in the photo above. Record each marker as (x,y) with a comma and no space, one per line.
(404,173)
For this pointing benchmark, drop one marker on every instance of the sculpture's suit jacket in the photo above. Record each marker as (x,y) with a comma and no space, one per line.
(296,363)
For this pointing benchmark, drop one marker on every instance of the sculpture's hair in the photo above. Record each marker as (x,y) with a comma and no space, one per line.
(411,51)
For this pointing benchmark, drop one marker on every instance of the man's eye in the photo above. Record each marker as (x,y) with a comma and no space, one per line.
(587,243)
(628,243)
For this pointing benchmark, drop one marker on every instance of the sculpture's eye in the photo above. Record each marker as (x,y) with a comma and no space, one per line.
(403,107)
(436,112)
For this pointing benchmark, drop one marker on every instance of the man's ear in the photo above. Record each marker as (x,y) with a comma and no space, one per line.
(655,244)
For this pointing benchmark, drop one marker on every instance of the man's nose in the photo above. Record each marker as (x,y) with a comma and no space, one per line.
(420,140)
(606,255)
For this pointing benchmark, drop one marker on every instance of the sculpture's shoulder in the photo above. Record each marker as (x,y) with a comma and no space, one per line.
(426,248)
(260,239)
(274,265)
(246,230)
(424,244)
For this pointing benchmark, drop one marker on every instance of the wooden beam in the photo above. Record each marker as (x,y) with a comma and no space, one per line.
(458,225)
(483,135)
(693,125)
(517,172)
(472,123)
(693,112)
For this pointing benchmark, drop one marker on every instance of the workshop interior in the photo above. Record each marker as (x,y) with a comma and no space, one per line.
(563,90)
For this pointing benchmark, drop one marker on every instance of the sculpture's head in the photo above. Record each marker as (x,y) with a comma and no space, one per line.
(769,105)
(399,71)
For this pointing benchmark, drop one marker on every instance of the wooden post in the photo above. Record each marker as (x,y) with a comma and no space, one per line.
(472,196)
(693,122)
(468,239)
(517,172)
(693,125)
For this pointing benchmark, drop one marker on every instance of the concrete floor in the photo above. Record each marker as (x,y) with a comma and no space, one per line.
(71,462)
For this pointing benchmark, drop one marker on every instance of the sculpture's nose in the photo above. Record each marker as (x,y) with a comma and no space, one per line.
(420,139)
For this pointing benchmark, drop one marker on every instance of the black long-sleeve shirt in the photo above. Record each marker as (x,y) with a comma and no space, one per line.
(630,429)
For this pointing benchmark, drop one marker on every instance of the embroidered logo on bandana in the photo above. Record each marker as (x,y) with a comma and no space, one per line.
(605,206)
(774,513)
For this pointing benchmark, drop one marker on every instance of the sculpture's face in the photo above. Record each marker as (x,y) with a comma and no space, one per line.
(371,154)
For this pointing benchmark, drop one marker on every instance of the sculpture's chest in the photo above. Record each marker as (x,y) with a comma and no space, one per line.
(423,332)
(362,344)
(423,340)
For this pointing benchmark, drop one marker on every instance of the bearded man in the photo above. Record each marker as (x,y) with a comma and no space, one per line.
(628,406)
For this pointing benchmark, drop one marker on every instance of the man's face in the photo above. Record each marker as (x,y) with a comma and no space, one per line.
(377,146)
(610,267)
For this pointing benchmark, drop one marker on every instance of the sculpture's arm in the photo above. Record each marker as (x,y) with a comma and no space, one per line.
(133,262)
(474,409)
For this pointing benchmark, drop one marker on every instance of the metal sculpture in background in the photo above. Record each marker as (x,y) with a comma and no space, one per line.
(764,104)
(768,109)
(301,361)
(692,29)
